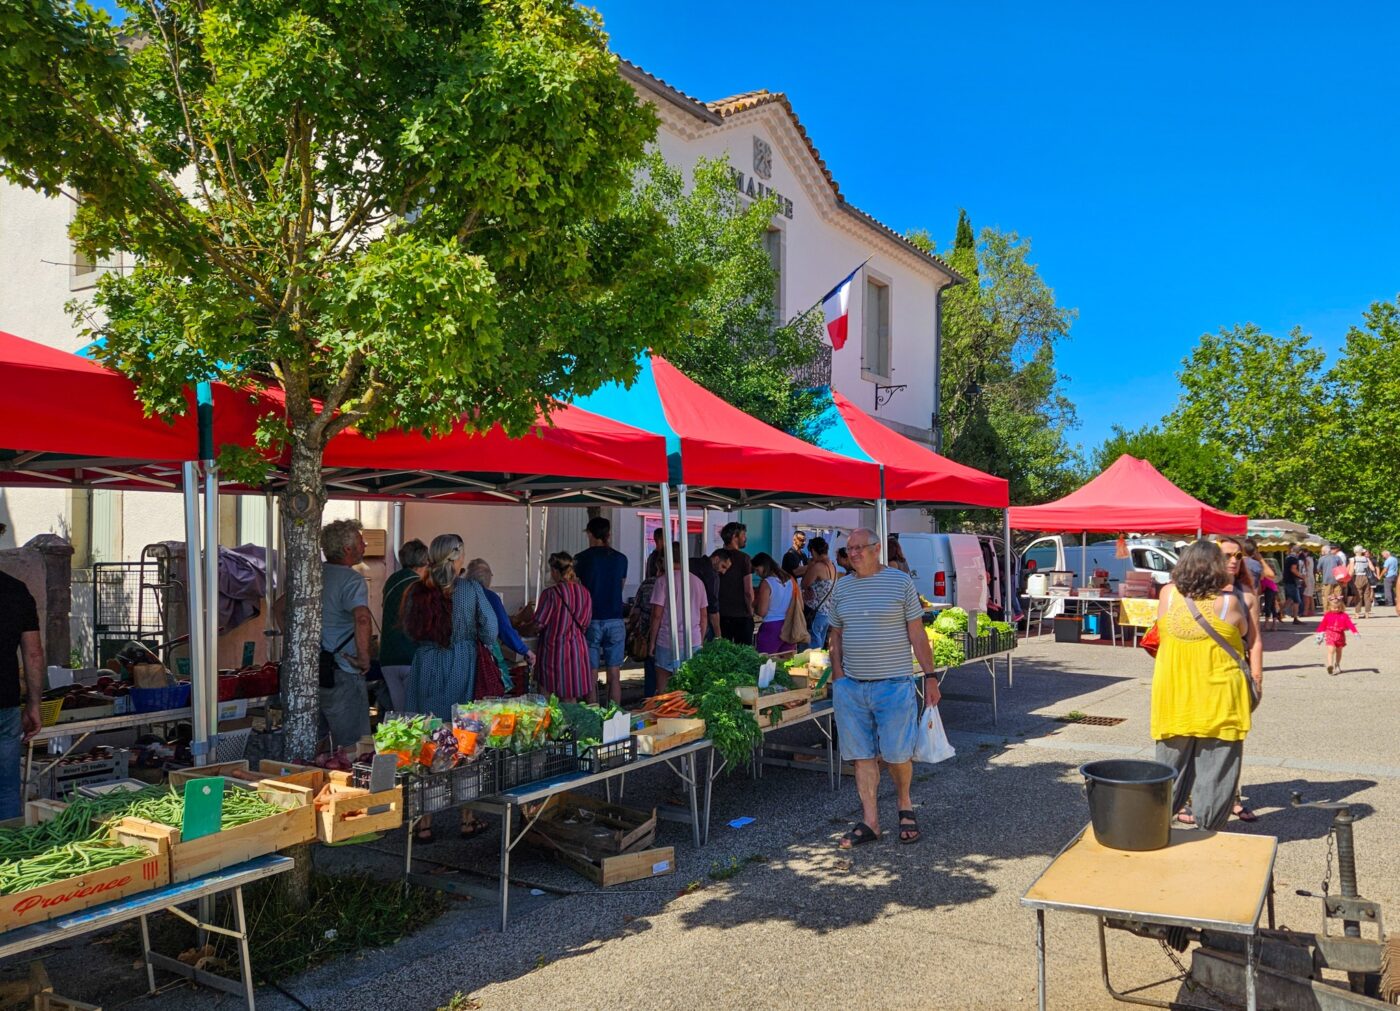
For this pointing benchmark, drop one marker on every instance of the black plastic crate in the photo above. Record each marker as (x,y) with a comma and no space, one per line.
(978,646)
(556,758)
(427,792)
(476,779)
(601,757)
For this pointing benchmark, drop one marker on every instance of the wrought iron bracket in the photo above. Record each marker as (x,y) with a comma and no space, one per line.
(884,394)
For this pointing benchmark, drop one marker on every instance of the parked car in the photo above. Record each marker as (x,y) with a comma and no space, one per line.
(1057,552)
(961,570)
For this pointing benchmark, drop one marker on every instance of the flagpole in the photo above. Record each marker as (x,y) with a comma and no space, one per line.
(818,303)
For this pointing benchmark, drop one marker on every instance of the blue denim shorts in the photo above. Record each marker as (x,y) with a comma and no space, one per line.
(876,719)
(606,641)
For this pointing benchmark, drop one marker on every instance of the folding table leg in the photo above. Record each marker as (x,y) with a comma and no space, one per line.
(1103,967)
(692,767)
(244,955)
(1040,958)
(146,955)
(505,864)
(709,790)
(1251,996)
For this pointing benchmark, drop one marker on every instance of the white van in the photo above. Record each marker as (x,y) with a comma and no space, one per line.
(952,569)
(1151,556)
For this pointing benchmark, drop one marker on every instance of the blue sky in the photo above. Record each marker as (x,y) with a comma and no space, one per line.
(1178,168)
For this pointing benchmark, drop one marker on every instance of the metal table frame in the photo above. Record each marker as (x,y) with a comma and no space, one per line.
(542,793)
(1102,914)
(821,711)
(158,900)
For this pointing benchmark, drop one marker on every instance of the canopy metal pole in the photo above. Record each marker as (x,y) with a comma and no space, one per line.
(1008,590)
(690,642)
(882,519)
(391,550)
(194,605)
(544,551)
(269,577)
(670,563)
(1083,558)
(211,601)
(529,544)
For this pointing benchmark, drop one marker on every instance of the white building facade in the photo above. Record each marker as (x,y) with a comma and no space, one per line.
(889,366)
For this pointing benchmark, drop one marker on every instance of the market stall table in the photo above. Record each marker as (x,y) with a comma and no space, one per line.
(1137,613)
(1042,606)
(158,900)
(1214,880)
(504,804)
(80,730)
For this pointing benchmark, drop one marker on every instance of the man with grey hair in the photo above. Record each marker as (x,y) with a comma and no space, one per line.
(345,631)
(876,617)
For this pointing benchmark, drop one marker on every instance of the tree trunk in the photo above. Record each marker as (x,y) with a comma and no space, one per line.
(302,505)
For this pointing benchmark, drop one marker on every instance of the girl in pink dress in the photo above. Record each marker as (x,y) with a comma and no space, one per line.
(1332,632)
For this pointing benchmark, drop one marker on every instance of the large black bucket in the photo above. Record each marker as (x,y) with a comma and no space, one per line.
(1130,802)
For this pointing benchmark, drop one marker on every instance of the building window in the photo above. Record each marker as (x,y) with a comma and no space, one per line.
(875,337)
(773,246)
(83,272)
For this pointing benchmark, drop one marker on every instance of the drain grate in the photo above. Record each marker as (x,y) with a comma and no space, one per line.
(1092,721)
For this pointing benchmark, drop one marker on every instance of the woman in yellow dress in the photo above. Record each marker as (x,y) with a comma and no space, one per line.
(1200,695)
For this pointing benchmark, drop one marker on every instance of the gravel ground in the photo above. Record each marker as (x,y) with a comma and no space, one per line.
(770,915)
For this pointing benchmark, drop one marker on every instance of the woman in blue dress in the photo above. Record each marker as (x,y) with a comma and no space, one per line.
(447,616)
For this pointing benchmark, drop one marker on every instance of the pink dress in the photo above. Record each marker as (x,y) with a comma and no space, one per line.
(1334,627)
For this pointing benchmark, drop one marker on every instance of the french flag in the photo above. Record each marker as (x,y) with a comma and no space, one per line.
(836,307)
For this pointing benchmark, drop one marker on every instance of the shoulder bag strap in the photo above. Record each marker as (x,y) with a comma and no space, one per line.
(564,599)
(1220,641)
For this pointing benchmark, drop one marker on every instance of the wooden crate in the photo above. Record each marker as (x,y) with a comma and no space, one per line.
(593,828)
(96,887)
(294,826)
(756,703)
(53,1002)
(789,714)
(668,733)
(237,773)
(313,777)
(342,811)
(803,677)
(625,867)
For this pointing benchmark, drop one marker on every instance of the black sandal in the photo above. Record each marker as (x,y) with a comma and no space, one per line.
(474,829)
(908,828)
(858,836)
(423,836)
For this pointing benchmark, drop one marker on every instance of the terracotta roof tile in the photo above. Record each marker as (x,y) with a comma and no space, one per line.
(724,108)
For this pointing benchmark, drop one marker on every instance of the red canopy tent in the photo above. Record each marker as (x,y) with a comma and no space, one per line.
(1130,495)
(912,473)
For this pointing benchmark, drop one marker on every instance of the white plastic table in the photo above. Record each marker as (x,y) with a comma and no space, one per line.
(166,899)
(1214,880)
(1042,606)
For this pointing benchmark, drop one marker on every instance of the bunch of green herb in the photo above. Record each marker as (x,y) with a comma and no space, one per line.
(401,733)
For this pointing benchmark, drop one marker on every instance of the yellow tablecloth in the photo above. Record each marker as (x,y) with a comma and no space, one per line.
(1139,612)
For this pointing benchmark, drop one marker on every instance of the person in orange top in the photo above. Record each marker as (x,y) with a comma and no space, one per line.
(1200,697)
(1332,632)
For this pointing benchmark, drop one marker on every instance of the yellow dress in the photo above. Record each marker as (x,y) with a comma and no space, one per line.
(1198,689)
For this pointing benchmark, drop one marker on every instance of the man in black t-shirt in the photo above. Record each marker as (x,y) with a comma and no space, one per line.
(19,629)
(1293,584)
(736,587)
(797,557)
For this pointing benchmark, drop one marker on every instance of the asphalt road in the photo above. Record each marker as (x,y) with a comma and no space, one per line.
(772,916)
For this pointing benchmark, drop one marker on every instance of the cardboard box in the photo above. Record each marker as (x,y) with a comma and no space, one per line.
(96,887)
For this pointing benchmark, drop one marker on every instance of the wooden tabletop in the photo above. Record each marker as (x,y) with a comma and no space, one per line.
(1212,879)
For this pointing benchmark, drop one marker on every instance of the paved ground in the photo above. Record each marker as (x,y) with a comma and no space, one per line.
(937,925)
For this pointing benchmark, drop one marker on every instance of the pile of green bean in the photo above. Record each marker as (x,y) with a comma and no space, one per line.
(63,862)
(75,841)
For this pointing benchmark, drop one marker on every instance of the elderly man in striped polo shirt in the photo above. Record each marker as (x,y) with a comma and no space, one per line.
(875,617)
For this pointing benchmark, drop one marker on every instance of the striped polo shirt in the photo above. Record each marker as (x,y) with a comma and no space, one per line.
(873,613)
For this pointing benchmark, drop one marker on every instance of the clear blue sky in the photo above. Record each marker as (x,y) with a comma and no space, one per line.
(1178,168)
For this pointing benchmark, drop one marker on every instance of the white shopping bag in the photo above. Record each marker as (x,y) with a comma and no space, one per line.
(933,745)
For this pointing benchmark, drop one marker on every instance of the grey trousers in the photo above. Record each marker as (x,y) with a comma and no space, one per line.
(1207,773)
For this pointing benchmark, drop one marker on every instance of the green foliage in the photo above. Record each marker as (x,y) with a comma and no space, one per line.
(735,348)
(407,211)
(1264,427)
(1003,408)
